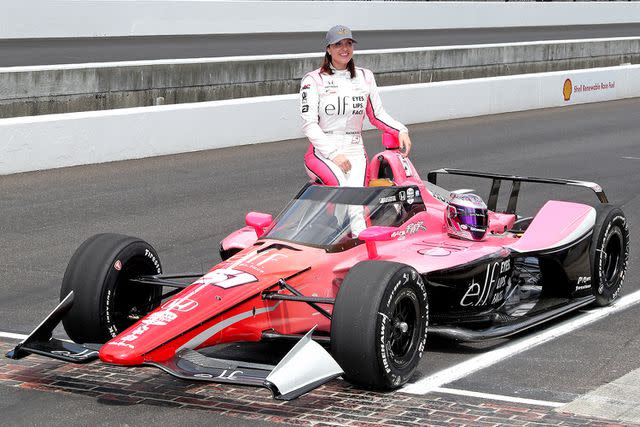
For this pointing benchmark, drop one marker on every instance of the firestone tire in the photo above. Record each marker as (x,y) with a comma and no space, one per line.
(609,254)
(379,324)
(105,302)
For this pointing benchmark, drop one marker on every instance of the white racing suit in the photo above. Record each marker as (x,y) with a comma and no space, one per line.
(333,109)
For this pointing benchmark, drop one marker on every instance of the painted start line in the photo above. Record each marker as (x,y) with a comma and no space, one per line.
(433,383)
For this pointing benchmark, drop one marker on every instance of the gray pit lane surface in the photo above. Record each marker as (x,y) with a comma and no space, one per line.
(184,204)
(20,52)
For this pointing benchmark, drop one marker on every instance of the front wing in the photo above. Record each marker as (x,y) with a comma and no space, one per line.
(306,366)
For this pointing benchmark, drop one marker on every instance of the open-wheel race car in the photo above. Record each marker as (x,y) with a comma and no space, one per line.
(357,276)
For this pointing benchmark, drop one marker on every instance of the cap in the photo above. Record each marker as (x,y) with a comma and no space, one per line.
(337,33)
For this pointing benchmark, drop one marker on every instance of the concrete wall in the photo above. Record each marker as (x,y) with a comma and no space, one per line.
(99,18)
(43,142)
(67,88)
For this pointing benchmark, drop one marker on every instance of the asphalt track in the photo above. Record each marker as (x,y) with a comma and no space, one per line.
(184,204)
(20,52)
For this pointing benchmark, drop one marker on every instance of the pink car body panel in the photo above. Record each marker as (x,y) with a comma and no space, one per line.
(240,239)
(423,244)
(404,173)
(556,224)
(500,222)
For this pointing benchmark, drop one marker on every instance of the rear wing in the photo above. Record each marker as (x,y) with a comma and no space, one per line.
(515,185)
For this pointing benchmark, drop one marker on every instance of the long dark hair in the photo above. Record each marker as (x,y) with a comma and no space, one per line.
(326,66)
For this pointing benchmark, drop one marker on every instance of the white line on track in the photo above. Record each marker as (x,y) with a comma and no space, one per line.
(461,370)
(13,336)
(500,397)
(631,158)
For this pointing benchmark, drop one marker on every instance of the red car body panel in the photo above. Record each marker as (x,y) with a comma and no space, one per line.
(235,287)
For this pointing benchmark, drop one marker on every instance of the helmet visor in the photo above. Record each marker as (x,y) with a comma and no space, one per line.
(473,217)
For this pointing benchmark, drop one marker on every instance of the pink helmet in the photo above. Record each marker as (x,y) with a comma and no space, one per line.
(466,217)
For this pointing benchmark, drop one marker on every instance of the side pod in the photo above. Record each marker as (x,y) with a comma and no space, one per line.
(40,341)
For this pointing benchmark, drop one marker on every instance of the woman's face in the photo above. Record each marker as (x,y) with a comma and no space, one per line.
(341,53)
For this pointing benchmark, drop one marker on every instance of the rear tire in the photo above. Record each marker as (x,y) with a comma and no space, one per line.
(379,324)
(609,254)
(105,302)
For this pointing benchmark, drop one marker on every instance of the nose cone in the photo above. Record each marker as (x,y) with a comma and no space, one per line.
(129,347)
(157,336)
(119,353)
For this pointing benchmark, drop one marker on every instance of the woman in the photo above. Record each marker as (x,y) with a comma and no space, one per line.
(334,100)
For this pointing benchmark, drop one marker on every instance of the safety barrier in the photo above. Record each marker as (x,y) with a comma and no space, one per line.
(52,141)
(65,88)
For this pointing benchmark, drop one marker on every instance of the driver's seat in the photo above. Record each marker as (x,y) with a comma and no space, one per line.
(391,168)
(381,182)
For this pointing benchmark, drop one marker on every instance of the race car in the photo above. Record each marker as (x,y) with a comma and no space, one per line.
(357,277)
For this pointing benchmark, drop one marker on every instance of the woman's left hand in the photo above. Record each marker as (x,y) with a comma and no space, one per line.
(405,143)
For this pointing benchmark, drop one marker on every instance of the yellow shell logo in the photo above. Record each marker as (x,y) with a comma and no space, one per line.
(342,31)
(567,89)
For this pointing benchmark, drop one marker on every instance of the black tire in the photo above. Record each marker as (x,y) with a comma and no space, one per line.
(609,254)
(105,302)
(379,324)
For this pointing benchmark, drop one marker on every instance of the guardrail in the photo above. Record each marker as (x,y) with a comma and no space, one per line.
(52,141)
(100,18)
(66,88)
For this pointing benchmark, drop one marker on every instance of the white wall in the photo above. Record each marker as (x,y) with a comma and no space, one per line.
(493,95)
(98,18)
(43,142)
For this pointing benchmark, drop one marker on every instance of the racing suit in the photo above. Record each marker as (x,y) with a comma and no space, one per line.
(333,109)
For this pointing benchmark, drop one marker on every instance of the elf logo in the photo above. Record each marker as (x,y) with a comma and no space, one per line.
(340,108)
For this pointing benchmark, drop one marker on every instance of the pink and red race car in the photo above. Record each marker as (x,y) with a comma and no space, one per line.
(359,301)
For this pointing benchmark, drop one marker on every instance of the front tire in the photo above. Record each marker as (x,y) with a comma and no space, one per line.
(105,302)
(609,254)
(379,324)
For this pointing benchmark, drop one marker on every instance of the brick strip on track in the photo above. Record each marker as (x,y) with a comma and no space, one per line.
(336,403)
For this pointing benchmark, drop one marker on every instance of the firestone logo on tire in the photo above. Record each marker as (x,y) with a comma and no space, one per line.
(154,260)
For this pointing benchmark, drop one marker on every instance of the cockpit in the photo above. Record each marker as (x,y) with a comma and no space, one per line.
(332,217)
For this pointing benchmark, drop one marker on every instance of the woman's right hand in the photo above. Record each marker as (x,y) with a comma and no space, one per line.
(343,163)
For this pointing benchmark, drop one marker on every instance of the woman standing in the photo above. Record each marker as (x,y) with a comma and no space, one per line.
(334,100)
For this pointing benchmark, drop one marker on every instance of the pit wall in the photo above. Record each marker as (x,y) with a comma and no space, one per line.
(53,141)
(53,89)
(102,18)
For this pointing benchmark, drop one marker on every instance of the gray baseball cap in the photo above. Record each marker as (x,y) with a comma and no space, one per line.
(337,33)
